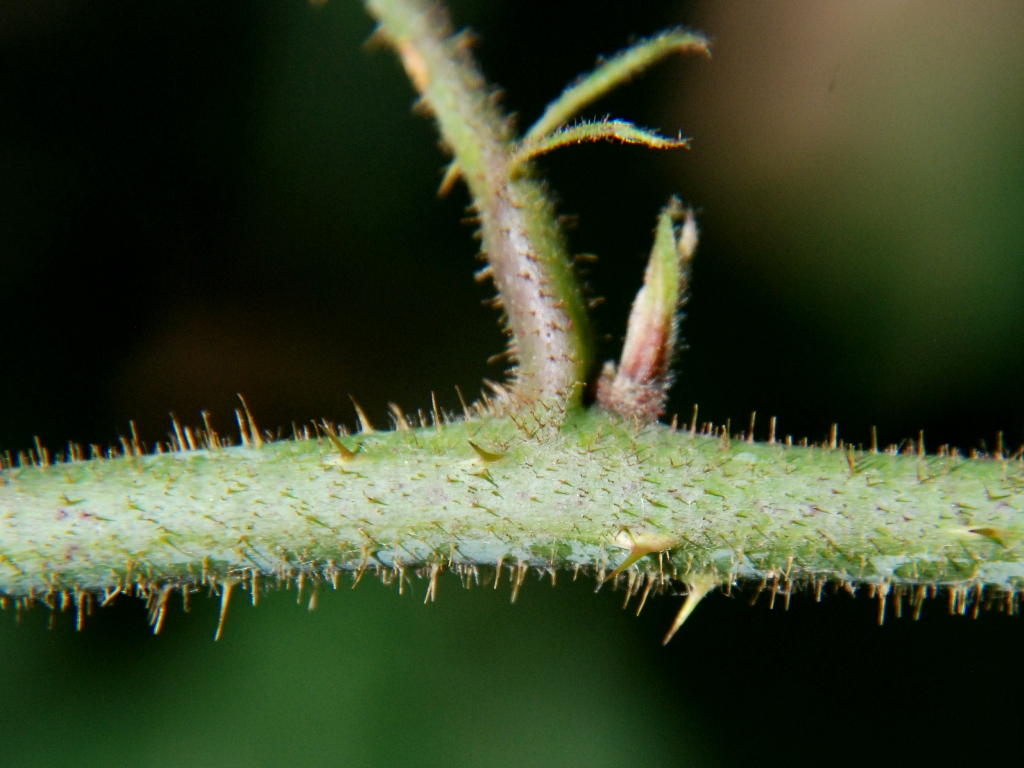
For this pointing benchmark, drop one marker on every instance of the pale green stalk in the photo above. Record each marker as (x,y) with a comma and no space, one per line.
(719,509)
(550,329)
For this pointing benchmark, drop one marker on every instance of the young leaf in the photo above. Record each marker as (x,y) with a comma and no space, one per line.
(616,71)
(619,69)
(594,130)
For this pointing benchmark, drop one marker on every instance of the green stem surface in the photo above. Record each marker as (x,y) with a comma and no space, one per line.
(721,509)
(529,263)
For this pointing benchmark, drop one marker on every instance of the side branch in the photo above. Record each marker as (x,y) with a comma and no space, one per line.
(546,318)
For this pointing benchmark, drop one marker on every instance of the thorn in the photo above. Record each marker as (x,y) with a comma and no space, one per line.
(485,456)
(992,534)
(437,413)
(365,426)
(465,408)
(211,437)
(451,176)
(693,421)
(647,591)
(161,610)
(675,423)
(225,598)
(497,571)
(137,446)
(630,584)
(254,431)
(362,567)
(771,431)
(508,354)
(520,575)
(242,429)
(698,589)
(638,546)
(346,454)
(83,602)
(833,436)
(414,65)
(920,443)
(874,439)
(753,418)
(918,600)
(312,597)
(500,392)
(401,423)
(42,455)
(432,589)
(108,598)
(883,593)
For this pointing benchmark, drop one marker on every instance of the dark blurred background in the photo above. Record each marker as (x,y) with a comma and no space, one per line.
(199,199)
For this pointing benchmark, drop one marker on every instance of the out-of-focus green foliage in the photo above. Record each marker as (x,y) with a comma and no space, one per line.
(368,678)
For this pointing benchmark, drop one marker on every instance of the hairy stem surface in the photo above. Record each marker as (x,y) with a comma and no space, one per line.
(551,336)
(697,509)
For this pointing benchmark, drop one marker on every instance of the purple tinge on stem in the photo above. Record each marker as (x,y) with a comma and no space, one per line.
(638,387)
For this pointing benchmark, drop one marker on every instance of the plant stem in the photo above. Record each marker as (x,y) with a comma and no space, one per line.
(533,480)
(585,496)
(551,336)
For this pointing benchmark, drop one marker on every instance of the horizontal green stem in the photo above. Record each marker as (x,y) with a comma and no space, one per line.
(723,509)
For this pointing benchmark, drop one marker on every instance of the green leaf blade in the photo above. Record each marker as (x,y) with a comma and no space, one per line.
(610,74)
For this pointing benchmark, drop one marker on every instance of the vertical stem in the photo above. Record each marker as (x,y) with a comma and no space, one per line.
(526,251)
